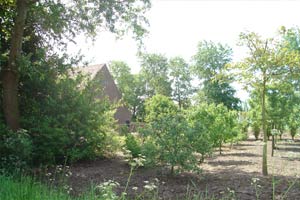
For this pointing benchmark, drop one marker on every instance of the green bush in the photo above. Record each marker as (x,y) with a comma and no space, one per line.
(213,123)
(169,131)
(150,151)
(132,144)
(63,119)
(200,139)
(15,150)
(123,129)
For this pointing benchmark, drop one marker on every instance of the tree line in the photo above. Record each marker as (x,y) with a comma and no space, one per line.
(174,78)
(270,73)
(50,118)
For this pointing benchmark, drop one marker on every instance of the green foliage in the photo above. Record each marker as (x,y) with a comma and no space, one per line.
(133,145)
(132,87)
(244,120)
(27,189)
(256,130)
(52,23)
(211,59)
(150,150)
(209,66)
(269,61)
(176,137)
(169,131)
(214,123)
(123,129)
(106,190)
(241,136)
(62,121)
(282,102)
(158,107)
(15,150)
(219,92)
(200,138)
(154,69)
(125,81)
(181,81)
(255,113)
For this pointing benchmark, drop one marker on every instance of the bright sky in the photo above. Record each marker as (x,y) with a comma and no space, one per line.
(176,26)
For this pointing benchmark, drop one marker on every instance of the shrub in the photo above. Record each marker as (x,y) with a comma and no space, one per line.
(169,131)
(15,150)
(215,123)
(64,119)
(150,151)
(200,139)
(123,129)
(132,144)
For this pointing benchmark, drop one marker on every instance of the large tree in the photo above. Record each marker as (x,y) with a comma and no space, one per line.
(10,70)
(155,71)
(125,80)
(181,81)
(53,23)
(132,87)
(268,61)
(209,65)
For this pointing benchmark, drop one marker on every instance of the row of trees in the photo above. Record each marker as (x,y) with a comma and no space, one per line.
(61,120)
(173,78)
(270,74)
(270,71)
(182,138)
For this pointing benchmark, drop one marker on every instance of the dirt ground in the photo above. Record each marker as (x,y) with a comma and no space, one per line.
(229,176)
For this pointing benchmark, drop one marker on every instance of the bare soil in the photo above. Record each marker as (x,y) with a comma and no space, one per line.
(229,176)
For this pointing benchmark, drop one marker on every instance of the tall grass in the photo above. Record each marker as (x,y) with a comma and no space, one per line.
(27,189)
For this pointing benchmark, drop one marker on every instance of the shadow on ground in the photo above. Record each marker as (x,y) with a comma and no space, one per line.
(223,183)
(241,154)
(229,163)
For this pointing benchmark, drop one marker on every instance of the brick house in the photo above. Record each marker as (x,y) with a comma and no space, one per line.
(100,72)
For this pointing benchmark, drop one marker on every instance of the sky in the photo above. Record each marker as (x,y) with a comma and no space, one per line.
(176,27)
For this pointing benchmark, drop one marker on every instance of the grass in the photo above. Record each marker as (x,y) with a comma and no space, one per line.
(27,189)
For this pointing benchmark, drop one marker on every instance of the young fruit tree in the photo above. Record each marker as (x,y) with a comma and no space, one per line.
(213,124)
(268,61)
(170,132)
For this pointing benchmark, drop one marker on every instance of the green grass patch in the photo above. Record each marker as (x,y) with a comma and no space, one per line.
(25,188)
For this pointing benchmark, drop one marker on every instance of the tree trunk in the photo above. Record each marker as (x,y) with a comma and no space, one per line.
(172,170)
(273,145)
(293,132)
(265,139)
(10,72)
